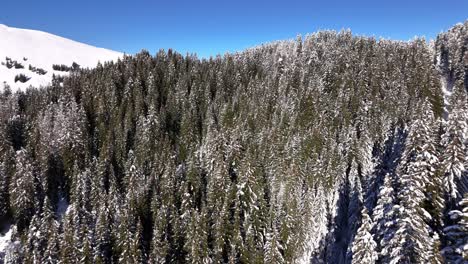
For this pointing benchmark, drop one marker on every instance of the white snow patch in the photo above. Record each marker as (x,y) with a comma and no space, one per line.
(5,239)
(42,50)
(447,91)
(62,206)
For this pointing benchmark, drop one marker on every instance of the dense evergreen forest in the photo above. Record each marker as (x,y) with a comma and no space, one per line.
(330,148)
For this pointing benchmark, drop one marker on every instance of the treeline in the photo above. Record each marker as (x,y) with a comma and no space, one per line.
(331,148)
(37,70)
(64,68)
(9,63)
(22,78)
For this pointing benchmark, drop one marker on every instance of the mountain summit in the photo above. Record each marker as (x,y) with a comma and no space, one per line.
(31,57)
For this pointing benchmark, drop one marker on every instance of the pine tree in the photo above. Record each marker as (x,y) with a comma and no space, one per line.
(453,140)
(22,190)
(159,242)
(39,233)
(4,197)
(320,224)
(364,246)
(136,248)
(34,241)
(356,200)
(68,244)
(129,243)
(456,235)
(86,251)
(102,250)
(413,241)
(134,182)
(382,215)
(435,200)
(197,239)
(273,248)
(52,251)
(253,208)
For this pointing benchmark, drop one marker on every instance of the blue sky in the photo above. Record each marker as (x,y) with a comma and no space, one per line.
(209,27)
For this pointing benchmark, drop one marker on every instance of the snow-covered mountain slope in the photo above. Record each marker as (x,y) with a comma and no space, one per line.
(36,50)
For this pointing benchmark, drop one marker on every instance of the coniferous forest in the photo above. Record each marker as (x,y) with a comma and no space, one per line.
(330,148)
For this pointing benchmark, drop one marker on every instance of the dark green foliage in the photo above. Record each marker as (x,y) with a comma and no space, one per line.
(22,78)
(12,64)
(61,67)
(37,70)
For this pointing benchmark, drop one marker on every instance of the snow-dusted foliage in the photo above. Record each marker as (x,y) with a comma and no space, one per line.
(384,216)
(453,140)
(456,234)
(330,148)
(364,247)
(412,241)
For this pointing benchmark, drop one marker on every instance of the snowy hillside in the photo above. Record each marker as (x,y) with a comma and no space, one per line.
(33,54)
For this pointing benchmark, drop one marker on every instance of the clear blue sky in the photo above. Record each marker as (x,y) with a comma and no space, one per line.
(209,27)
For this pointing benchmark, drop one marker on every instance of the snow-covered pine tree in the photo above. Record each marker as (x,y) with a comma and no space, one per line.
(4,196)
(86,251)
(319,225)
(413,240)
(453,141)
(383,216)
(456,235)
(159,242)
(83,217)
(127,239)
(34,241)
(134,180)
(39,230)
(435,200)
(68,245)
(197,239)
(103,247)
(22,190)
(97,190)
(7,164)
(354,207)
(273,248)
(136,246)
(364,247)
(252,207)
(52,251)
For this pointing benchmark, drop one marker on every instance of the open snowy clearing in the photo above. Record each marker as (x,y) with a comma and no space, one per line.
(24,51)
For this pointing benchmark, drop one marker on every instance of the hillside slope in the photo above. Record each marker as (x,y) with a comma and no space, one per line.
(41,50)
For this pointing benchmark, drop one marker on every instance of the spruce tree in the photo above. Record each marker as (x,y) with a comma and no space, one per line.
(364,247)
(4,196)
(453,140)
(384,215)
(68,244)
(413,240)
(52,251)
(103,248)
(159,241)
(22,190)
(273,248)
(456,250)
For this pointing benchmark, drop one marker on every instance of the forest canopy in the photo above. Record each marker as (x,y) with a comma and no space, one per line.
(330,148)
